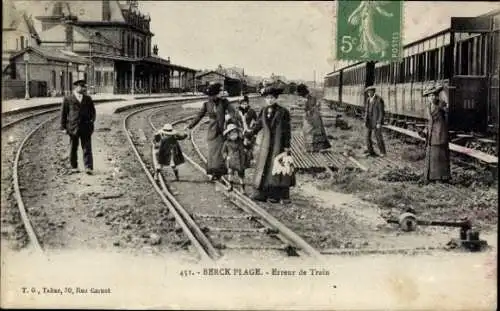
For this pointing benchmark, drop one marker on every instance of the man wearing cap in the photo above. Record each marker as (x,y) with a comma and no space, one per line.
(437,151)
(77,120)
(215,108)
(374,118)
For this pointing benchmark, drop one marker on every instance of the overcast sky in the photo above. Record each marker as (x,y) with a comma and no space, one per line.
(287,38)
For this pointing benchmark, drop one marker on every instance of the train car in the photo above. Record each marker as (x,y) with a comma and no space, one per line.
(464,58)
(345,87)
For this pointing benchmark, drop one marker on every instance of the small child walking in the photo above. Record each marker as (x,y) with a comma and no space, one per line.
(234,153)
(169,151)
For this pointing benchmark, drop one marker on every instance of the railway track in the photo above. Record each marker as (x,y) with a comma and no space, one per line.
(21,128)
(234,223)
(17,130)
(11,120)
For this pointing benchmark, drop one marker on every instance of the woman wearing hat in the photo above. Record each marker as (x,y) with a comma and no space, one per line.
(437,155)
(313,129)
(274,121)
(215,108)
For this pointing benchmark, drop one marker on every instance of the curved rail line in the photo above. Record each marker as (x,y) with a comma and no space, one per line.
(284,233)
(251,208)
(14,122)
(173,208)
(15,176)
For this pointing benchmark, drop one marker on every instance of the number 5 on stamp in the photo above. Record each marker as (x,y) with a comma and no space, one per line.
(369,30)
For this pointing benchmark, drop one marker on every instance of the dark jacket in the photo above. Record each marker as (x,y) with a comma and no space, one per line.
(247,117)
(76,117)
(169,147)
(374,114)
(437,131)
(276,136)
(216,112)
(235,155)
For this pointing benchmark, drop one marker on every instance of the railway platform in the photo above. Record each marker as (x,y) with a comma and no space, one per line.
(18,105)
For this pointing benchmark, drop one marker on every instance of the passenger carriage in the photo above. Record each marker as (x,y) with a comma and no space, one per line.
(464,58)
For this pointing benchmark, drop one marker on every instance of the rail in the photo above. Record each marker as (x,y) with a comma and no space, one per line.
(284,232)
(484,157)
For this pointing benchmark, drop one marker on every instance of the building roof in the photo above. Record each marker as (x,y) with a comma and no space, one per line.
(54,54)
(12,18)
(95,36)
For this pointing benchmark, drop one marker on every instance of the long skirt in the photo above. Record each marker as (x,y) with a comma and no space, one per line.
(314,134)
(215,161)
(437,163)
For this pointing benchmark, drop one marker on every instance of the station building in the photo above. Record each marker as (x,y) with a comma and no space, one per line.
(111,38)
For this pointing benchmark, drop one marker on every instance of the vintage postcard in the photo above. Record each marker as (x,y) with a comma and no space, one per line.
(250,155)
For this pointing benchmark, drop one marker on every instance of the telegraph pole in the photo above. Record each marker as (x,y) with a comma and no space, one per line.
(314,83)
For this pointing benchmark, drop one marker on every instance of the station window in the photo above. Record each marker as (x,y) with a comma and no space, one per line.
(22,42)
(105,83)
(98,78)
(53,79)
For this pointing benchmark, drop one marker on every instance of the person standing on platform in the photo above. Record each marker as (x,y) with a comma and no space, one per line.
(77,120)
(313,130)
(437,152)
(274,121)
(215,108)
(374,119)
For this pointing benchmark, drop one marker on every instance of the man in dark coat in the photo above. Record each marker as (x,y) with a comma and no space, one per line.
(374,119)
(77,120)
(437,152)
(216,108)
(274,121)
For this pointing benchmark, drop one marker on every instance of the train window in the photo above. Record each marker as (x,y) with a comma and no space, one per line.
(402,73)
(433,65)
(464,58)
(447,62)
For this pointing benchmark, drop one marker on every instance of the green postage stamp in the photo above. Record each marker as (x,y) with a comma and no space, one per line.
(369,30)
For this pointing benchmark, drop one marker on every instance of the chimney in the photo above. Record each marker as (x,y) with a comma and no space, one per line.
(106,10)
(69,34)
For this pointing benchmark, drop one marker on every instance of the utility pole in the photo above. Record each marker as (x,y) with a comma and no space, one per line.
(27,82)
(314,83)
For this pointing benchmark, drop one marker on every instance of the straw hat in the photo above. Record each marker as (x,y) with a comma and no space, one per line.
(231,127)
(432,90)
(168,129)
(371,87)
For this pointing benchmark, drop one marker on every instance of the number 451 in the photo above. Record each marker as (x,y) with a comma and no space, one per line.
(347,44)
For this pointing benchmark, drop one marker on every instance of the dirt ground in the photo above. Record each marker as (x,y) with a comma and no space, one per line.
(114,209)
(349,210)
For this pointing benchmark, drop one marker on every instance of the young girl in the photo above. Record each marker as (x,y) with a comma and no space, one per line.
(234,154)
(169,151)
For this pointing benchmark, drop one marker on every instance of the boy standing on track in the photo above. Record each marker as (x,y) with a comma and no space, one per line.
(374,119)
(77,120)
(235,155)
(169,150)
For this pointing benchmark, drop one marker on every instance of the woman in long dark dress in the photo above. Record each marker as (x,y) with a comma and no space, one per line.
(314,132)
(274,121)
(215,108)
(437,153)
